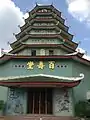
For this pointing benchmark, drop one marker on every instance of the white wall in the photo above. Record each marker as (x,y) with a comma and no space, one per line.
(43,41)
(28,52)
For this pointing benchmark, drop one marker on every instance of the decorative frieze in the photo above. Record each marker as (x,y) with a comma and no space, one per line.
(43,11)
(62,103)
(42,32)
(43,24)
(16,101)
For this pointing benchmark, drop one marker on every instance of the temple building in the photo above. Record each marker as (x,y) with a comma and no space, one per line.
(43,73)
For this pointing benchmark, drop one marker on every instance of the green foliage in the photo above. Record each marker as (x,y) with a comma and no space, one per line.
(82,109)
(1,104)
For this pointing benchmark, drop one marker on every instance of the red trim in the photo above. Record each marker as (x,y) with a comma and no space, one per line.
(21,34)
(74,57)
(33,57)
(54,56)
(73,44)
(43,45)
(40,84)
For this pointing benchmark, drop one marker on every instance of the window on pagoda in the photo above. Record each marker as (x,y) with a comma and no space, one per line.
(43,10)
(33,52)
(51,52)
(42,52)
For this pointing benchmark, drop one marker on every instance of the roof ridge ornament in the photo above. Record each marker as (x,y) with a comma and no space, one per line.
(52,3)
(57,23)
(79,42)
(6,53)
(19,26)
(36,3)
(74,53)
(60,31)
(14,34)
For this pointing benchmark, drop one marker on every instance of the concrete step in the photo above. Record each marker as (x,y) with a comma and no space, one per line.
(37,117)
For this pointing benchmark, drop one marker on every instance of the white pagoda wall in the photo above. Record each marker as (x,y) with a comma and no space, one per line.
(62,102)
(43,41)
(27,51)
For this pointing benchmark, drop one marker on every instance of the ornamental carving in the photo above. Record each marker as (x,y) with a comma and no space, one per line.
(15,103)
(62,101)
(43,10)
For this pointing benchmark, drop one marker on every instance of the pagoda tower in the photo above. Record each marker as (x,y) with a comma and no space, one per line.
(43,71)
(44,28)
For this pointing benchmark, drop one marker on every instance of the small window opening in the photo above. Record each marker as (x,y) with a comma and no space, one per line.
(51,52)
(33,52)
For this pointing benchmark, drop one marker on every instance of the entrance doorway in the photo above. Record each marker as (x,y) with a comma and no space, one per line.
(39,101)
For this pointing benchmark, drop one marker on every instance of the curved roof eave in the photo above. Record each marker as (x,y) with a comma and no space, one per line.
(40,80)
(45,76)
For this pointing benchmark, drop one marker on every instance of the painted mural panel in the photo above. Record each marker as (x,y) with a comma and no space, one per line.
(62,103)
(16,103)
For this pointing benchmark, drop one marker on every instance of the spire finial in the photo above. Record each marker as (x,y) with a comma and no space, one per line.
(8,43)
(52,4)
(85,52)
(79,42)
(19,26)
(23,18)
(27,11)
(36,3)
(14,34)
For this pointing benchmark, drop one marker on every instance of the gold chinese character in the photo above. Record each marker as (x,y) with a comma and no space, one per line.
(41,65)
(30,65)
(52,65)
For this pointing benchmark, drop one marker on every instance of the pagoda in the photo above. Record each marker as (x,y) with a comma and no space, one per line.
(43,73)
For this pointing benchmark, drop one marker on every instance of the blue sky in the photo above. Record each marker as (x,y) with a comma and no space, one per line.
(76,13)
(80,30)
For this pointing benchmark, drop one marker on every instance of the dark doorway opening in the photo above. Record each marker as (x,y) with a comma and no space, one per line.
(39,101)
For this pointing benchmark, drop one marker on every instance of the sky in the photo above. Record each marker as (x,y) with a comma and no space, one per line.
(75,12)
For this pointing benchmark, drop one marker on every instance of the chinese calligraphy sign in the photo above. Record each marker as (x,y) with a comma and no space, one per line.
(30,65)
(41,65)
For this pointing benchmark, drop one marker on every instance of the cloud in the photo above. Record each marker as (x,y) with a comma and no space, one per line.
(80,50)
(85,56)
(79,9)
(86,39)
(10,18)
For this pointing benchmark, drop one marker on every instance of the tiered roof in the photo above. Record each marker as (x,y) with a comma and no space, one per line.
(51,16)
(43,18)
(48,18)
(48,81)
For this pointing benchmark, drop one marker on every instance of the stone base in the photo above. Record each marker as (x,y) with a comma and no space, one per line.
(37,117)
